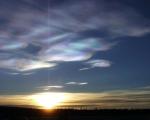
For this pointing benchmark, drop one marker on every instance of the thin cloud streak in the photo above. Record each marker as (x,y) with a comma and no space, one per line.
(96,63)
(49,87)
(76,83)
(84,69)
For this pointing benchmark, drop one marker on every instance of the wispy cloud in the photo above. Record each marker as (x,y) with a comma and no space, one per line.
(27,73)
(77,83)
(49,87)
(85,68)
(65,85)
(83,83)
(61,33)
(24,64)
(20,73)
(13,73)
(99,63)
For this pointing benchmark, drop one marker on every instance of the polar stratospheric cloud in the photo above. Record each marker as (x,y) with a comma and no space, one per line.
(84,52)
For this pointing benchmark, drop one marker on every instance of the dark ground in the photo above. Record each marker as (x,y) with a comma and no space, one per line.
(18,113)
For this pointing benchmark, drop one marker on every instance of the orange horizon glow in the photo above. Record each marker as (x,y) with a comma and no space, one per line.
(49,100)
(54,100)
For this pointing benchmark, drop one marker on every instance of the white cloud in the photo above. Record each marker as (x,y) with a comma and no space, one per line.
(77,83)
(99,63)
(48,87)
(56,86)
(20,73)
(84,69)
(83,83)
(13,73)
(71,83)
(28,73)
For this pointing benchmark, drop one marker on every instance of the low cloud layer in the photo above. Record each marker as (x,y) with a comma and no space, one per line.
(134,98)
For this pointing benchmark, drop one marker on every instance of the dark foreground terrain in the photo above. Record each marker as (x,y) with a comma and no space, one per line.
(17,113)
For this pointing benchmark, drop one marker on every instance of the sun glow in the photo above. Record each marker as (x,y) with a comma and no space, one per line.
(49,100)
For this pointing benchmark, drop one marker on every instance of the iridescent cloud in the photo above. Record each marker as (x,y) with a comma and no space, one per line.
(24,64)
(73,50)
(62,32)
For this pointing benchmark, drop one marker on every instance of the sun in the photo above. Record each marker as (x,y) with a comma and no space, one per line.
(49,100)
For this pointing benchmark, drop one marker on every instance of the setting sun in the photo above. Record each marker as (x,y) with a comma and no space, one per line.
(49,100)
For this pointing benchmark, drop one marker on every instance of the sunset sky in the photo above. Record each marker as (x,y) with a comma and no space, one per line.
(90,52)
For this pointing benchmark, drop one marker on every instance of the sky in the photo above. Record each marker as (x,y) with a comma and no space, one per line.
(95,51)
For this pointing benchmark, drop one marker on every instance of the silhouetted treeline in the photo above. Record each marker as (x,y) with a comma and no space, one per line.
(19,113)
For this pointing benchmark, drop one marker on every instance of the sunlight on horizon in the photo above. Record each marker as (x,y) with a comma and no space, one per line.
(49,100)
(54,100)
